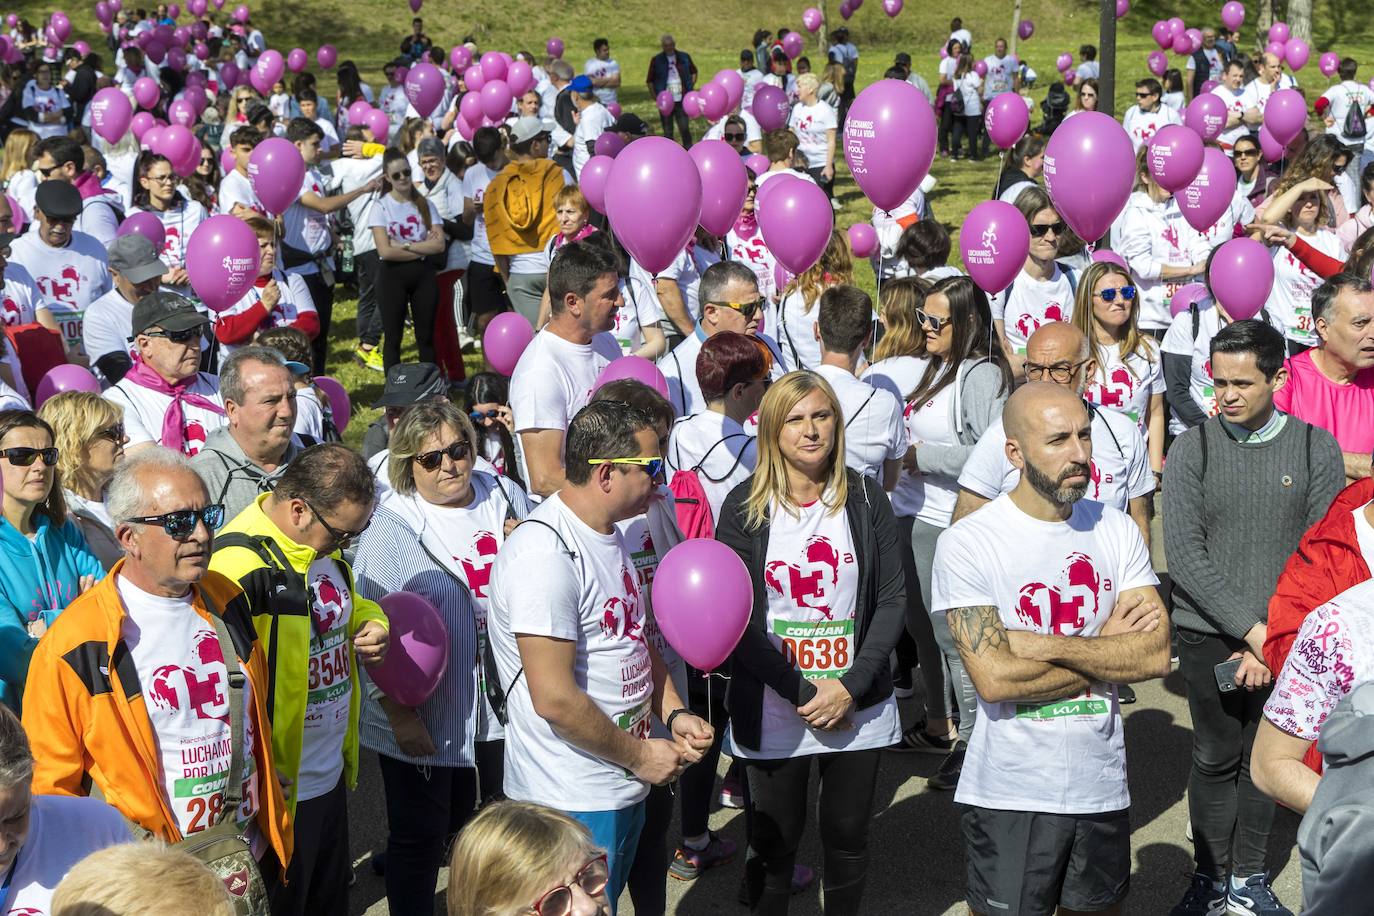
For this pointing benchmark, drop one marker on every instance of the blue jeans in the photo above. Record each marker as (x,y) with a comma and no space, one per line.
(617,832)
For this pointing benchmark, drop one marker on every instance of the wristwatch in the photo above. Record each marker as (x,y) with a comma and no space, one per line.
(406,246)
(673,715)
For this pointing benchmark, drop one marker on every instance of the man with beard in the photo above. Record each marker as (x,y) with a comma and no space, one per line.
(1051,601)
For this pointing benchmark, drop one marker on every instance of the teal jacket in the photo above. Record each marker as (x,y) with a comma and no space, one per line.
(38,579)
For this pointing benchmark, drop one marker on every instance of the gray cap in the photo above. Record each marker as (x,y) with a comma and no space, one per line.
(167,310)
(526,129)
(135,257)
(431,146)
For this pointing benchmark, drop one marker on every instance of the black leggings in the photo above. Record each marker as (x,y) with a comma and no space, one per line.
(648,878)
(776,819)
(402,283)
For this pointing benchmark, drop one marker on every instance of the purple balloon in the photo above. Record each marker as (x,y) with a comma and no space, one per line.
(65,377)
(1194,40)
(1161,34)
(1209,194)
(340,404)
(424,87)
(1241,276)
(505,339)
(665,103)
(147,225)
(111,114)
(608,144)
(1025,29)
(470,107)
(222,260)
(1122,8)
(1279,32)
(796,220)
(715,101)
(980,67)
(1232,14)
(493,66)
(889,141)
(811,18)
(155,51)
(520,78)
(417,657)
(141,123)
(1177,26)
(1182,44)
(297,60)
(554,47)
(1285,114)
(592,181)
(1110,257)
(377,124)
(892,8)
(1089,143)
(771,107)
(733,84)
(633,367)
(1206,116)
(460,58)
(793,44)
(1173,156)
(693,104)
(326,56)
(1277,49)
(1186,296)
(1296,52)
(1271,149)
(1007,118)
(229,74)
(702,596)
(358,111)
(473,78)
(1328,63)
(863,239)
(276,172)
(146,91)
(1064,62)
(653,200)
(182,112)
(496,99)
(994,241)
(724,185)
(757,163)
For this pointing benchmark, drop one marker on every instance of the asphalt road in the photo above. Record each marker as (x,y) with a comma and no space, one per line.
(917,864)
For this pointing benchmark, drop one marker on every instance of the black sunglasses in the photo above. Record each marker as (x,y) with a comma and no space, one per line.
(45,172)
(399,176)
(456,451)
(181,524)
(1040,230)
(1246,152)
(114,433)
(179,337)
(342,539)
(731,135)
(22,457)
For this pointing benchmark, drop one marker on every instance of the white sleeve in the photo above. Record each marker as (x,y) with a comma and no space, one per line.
(1135,570)
(1156,374)
(1136,247)
(299,293)
(1139,480)
(985,468)
(546,604)
(376,218)
(1178,339)
(133,423)
(537,400)
(959,576)
(898,440)
(100,336)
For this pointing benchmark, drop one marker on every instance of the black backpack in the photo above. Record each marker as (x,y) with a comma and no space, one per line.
(1354,119)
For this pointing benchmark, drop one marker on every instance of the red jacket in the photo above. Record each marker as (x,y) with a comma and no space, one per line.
(1327,562)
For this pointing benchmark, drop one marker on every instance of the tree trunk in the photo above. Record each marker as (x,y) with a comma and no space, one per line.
(1300,19)
(1015,29)
(1264,18)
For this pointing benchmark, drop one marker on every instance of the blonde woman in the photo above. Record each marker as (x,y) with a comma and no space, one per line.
(797,312)
(16,175)
(90,442)
(810,678)
(518,857)
(122,881)
(815,123)
(1130,371)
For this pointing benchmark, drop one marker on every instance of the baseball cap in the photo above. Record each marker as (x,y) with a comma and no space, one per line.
(630,124)
(167,310)
(58,199)
(135,257)
(431,146)
(410,383)
(581,85)
(526,129)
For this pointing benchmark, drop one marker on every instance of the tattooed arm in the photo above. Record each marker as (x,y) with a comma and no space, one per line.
(998,673)
(1132,646)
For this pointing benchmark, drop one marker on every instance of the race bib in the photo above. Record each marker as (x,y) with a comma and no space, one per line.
(635,721)
(328,687)
(818,650)
(1083,706)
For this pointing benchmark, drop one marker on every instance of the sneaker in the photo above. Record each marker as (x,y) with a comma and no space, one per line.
(689,863)
(947,776)
(1125,694)
(916,740)
(903,685)
(369,359)
(465,340)
(1205,897)
(731,793)
(1255,898)
(802,878)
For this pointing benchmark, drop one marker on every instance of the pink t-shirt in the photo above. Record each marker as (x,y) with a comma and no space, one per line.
(1345,411)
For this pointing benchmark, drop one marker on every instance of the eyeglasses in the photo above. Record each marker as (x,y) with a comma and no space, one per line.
(651,466)
(181,524)
(179,337)
(207,160)
(927,320)
(114,433)
(456,451)
(1040,230)
(1109,294)
(22,457)
(342,539)
(592,878)
(1059,372)
(746,309)
(399,176)
(731,135)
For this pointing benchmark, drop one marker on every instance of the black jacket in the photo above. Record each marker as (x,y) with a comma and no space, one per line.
(878,620)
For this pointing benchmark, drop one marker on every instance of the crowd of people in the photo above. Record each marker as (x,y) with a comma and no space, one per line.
(1023,500)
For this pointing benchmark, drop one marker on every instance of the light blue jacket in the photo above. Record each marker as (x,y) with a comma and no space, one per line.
(38,579)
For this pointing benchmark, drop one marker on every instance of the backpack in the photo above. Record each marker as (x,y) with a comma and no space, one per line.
(1354,127)
(955,101)
(692,507)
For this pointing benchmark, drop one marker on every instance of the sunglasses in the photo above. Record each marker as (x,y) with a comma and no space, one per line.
(1143,95)
(207,160)
(1109,295)
(652,466)
(179,337)
(927,320)
(479,416)
(1246,152)
(45,172)
(399,176)
(181,524)
(746,309)
(22,457)
(456,451)
(114,433)
(342,539)
(731,135)
(1040,230)
(592,878)
(1059,372)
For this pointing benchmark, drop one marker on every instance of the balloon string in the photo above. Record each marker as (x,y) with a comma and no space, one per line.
(1001,164)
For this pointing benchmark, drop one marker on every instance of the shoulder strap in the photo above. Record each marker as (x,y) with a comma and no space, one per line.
(233,788)
(1197,317)
(782,320)
(273,558)
(681,383)
(1202,435)
(861,408)
(1072,276)
(701,465)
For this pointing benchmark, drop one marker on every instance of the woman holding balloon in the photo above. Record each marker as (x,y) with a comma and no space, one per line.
(408,231)
(155,192)
(1304,207)
(811,680)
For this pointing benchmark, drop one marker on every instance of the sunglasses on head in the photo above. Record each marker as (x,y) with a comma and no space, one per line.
(182,522)
(179,337)
(22,457)
(592,878)
(1040,230)
(1109,294)
(651,466)
(456,451)
(746,309)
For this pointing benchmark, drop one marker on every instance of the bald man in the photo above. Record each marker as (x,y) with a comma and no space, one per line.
(1257,92)
(1021,582)
(1058,353)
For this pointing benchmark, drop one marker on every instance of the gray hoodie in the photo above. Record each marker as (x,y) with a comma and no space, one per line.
(231,476)
(1336,839)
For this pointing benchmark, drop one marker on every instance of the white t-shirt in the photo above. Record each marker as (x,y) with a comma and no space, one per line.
(947,67)
(309,414)
(330,688)
(811,580)
(592,600)
(1235,103)
(1330,657)
(100,217)
(1031,304)
(62,831)
(107,326)
(900,375)
(306,229)
(45,101)
(235,188)
(874,428)
(718,448)
(753,253)
(1341,97)
(19,300)
(394,103)
(1290,298)
(1051,578)
(401,219)
(932,495)
(144,409)
(1127,385)
(594,121)
(294,301)
(475,181)
(1257,92)
(679,367)
(1000,72)
(639,309)
(1120,463)
(811,123)
(597,68)
(186,684)
(684,271)
(800,348)
(969,86)
(1089,70)
(962,36)
(1364,534)
(638,536)
(178,222)
(1141,125)
(69,278)
(1151,236)
(1215,63)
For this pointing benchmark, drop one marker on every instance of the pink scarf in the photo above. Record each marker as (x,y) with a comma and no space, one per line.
(559,241)
(173,436)
(746,225)
(88,185)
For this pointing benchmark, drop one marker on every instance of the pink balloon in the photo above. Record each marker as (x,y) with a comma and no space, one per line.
(653,200)
(493,66)
(155,51)
(1296,52)
(473,78)
(496,99)
(1064,62)
(1025,29)
(377,124)
(1070,78)
(61,26)
(1176,26)
(981,68)
(1007,118)
(470,107)
(111,114)
(693,104)
(1241,277)
(863,239)
(889,141)
(1206,116)
(465,129)
(771,107)
(179,144)
(1278,32)
(267,71)
(340,405)
(460,58)
(276,172)
(554,47)
(1122,8)
(1209,194)
(141,123)
(633,367)
(614,108)
(811,18)
(417,657)
(358,111)
(102,13)
(505,339)
(222,260)
(994,241)
(18,214)
(1194,40)
(665,103)
(1285,114)
(174,11)
(182,112)
(1232,14)
(702,596)
(227,161)
(1277,49)
(176,59)
(326,56)
(733,84)
(415,5)
(796,220)
(146,91)
(82,48)
(592,181)
(229,73)
(715,101)
(1161,34)
(793,44)
(724,184)
(1089,143)
(892,7)
(1111,257)
(1271,149)
(1328,63)
(846,10)
(757,163)
(1208,85)
(1186,296)
(1182,44)
(65,377)
(297,60)
(1174,156)
(520,78)
(147,225)
(424,87)
(608,144)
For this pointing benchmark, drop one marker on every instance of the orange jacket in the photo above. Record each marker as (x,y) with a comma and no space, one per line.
(87,721)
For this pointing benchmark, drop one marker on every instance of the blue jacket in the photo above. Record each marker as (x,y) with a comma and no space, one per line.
(38,579)
(658,71)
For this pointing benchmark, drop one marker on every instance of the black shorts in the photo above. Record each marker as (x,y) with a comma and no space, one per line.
(486,292)
(1025,863)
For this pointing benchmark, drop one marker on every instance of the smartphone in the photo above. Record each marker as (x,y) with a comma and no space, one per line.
(1226,675)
